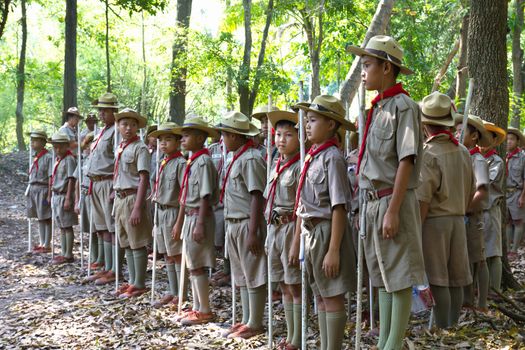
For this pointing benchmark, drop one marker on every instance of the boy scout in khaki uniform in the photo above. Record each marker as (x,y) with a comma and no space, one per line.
(242,195)
(445,192)
(492,213)
(389,165)
(280,201)
(322,202)
(261,114)
(62,185)
(37,194)
(199,192)
(476,136)
(70,127)
(515,160)
(130,183)
(165,192)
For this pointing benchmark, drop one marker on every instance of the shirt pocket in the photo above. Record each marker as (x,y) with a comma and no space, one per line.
(289,188)
(127,162)
(317,182)
(383,140)
(193,185)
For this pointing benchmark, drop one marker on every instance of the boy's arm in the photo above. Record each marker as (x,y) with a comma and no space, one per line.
(141,197)
(177,228)
(332,258)
(256,208)
(293,256)
(204,211)
(70,188)
(481,194)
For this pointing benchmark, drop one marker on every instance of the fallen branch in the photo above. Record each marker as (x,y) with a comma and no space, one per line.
(508,300)
(512,315)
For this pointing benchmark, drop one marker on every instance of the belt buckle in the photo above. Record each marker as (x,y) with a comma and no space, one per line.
(371,195)
(279,220)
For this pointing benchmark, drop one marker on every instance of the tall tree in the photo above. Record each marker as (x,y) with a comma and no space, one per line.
(312,22)
(4,12)
(517,65)
(20,81)
(179,63)
(462,73)
(70,56)
(108,68)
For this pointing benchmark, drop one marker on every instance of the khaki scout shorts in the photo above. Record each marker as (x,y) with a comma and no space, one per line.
(64,218)
(279,242)
(199,254)
(165,242)
(515,213)
(129,236)
(248,270)
(397,263)
(316,246)
(492,231)
(85,207)
(102,206)
(475,238)
(37,206)
(445,251)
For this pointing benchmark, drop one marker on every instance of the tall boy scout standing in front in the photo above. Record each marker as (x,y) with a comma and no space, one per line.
(388,164)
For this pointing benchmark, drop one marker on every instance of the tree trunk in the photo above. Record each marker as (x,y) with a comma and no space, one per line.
(20,82)
(144,72)
(4,13)
(178,63)
(314,38)
(517,61)
(108,69)
(462,74)
(377,26)
(70,56)
(243,80)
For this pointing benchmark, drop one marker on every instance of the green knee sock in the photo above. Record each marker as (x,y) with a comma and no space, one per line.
(335,326)
(456,302)
(42,232)
(257,302)
(518,235)
(119,261)
(70,238)
(385,316)
(468,291)
(140,257)
(202,285)
(442,308)
(494,264)
(94,249)
(194,294)
(47,241)
(323,332)
(297,325)
(510,237)
(130,260)
(245,303)
(401,303)
(227,269)
(63,242)
(185,283)
(483,284)
(100,250)
(172,279)
(108,255)
(288,315)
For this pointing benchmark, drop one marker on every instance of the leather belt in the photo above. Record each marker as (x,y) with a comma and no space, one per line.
(59,192)
(373,195)
(279,220)
(310,223)
(195,212)
(165,206)
(97,178)
(127,192)
(513,189)
(236,221)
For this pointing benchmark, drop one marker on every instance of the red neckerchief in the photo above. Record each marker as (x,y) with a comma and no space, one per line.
(55,168)
(184,188)
(244,148)
(120,150)
(445,132)
(307,160)
(164,162)
(391,92)
(490,153)
(278,172)
(100,136)
(509,156)
(36,159)
(474,150)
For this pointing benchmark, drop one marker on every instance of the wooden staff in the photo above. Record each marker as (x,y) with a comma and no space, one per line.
(29,238)
(90,246)
(52,212)
(155,221)
(115,258)
(79,184)
(467,107)
(268,249)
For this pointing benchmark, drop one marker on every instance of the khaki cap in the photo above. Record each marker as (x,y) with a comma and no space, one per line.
(436,110)
(108,100)
(198,123)
(73,111)
(500,134)
(262,110)
(168,128)
(59,137)
(276,116)
(237,123)
(477,123)
(37,134)
(328,106)
(130,113)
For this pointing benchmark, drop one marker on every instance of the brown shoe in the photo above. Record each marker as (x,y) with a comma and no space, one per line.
(246,332)
(57,260)
(165,300)
(96,266)
(197,317)
(94,276)
(122,289)
(132,292)
(106,278)
(231,330)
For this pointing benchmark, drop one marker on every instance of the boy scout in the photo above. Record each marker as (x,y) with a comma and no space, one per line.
(37,194)
(242,195)
(70,127)
(280,202)
(261,114)
(389,162)
(165,192)
(445,192)
(475,135)
(62,185)
(322,202)
(492,213)
(198,194)
(91,122)
(515,161)
(130,183)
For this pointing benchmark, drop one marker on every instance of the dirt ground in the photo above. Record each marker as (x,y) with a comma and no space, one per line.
(45,306)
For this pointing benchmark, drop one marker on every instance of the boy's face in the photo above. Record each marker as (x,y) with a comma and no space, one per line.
(73,121)
(90,123)
(60,149)
(192,140)
(264,126)
(512,142)
(318,128)
(169,143)
(37,144)
(230,141)
(286,139)
(372,72)
(152,142)
(492,138)
(470,139)
(128,128)
(106,115)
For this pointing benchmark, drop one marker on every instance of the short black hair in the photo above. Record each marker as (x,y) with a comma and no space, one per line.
(395,68)
(472,130)
(284,123)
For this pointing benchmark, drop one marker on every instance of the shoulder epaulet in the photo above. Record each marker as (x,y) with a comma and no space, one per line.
(401,102)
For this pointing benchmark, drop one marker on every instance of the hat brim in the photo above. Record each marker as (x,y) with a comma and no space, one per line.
(276,116)
(345,124)
(259,116)
(141,121)
(253,131)
(500,134)
(159,133)
(58,141)
(211,132)
(450,122)
(104,106)
(484,140)
(362,52)
(73,114)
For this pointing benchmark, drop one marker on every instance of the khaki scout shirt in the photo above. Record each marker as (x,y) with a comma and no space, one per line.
(134,159)
(215,150)
(69,131)
(481,172)
(103,156)
(65,171)
(447,179)
(85,167)
(326,185)
(353,179)
(285,190)
(516,175)
(248,174)
(45,169)
(202,182)
(497,177)
(170,181)
(395,133)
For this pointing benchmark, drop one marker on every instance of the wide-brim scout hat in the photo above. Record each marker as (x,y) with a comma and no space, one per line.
(152,128)
(262,111)
(37,134)
(237,123)
(108,100)
(59,137)
(499,134)
(518,133)
(475,121)
(91,116)
(72,111)
(168,128)
(385,48)
(436,110)
(198,123)
(130,113)
(276,116)
(328,106)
